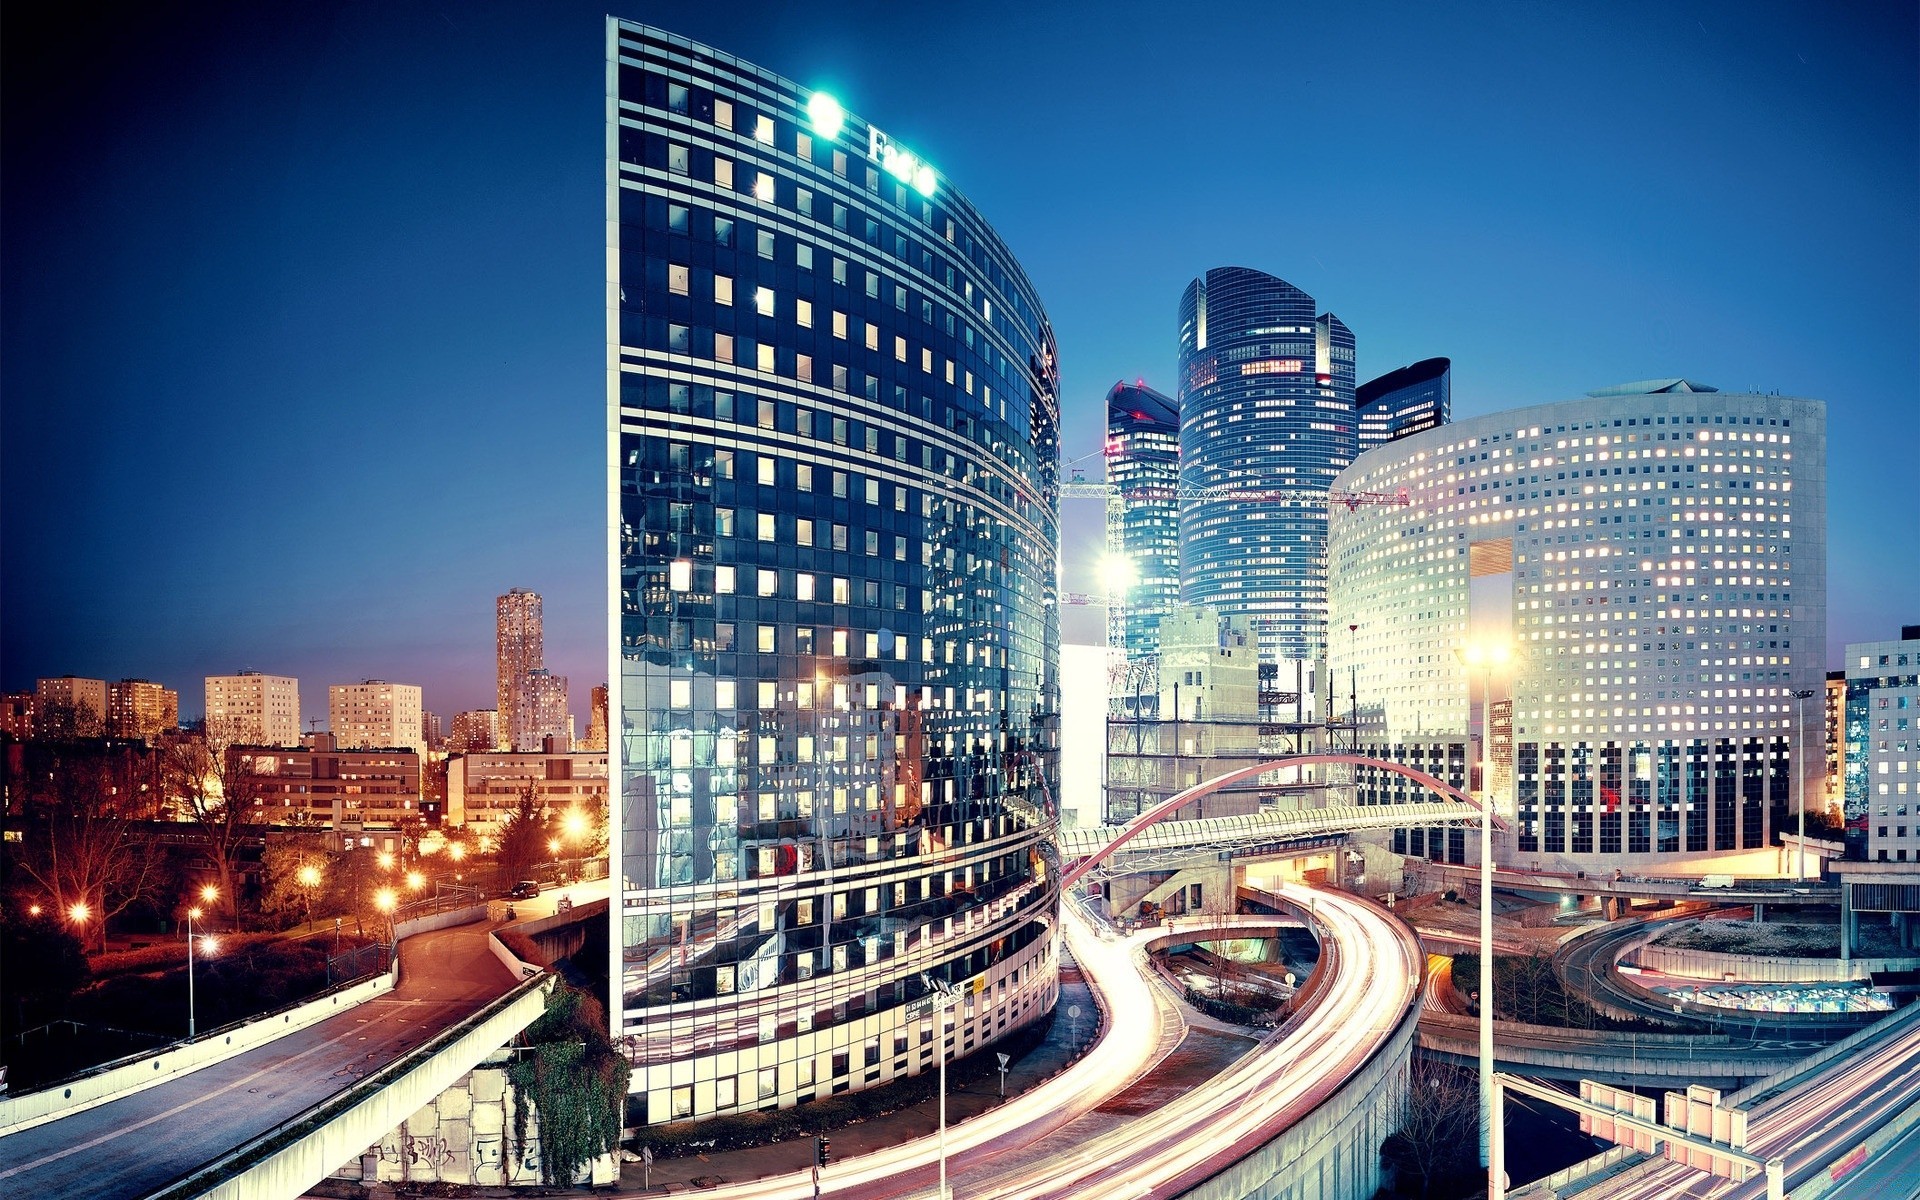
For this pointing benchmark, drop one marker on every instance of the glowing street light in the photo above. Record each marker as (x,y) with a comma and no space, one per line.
(208,893)
(1484,658)
(458,850)
(79,912)
(574,823)
(416,880)
(386,859)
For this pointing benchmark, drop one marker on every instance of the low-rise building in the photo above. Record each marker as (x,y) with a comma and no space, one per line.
(483,788)
(321,784)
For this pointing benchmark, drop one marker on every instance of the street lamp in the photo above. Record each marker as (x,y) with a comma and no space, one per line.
(1800,774)
(384,901)
(309,879)
(945,996)
(207,893)
(1485,658)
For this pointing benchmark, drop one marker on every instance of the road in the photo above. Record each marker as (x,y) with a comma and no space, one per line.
(1810,1126)
(1062,1140)
(137,1144)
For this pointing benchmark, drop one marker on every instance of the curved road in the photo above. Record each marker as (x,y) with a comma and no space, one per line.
(1052,1144)
(137,1144)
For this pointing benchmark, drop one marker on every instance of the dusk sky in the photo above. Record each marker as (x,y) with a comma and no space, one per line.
(303,308)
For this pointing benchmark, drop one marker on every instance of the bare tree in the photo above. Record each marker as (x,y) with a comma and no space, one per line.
(1440,1135)
(82,843)
(216,782)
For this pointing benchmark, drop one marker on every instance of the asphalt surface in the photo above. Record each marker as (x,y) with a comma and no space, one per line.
(138,1144)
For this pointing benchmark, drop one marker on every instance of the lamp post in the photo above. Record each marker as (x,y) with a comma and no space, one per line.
(207,893)
(1485,657)
(1800,774)
(309,880)
(945,996)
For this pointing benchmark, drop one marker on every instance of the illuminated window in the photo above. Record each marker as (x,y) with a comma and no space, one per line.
(723,290)
(763,301)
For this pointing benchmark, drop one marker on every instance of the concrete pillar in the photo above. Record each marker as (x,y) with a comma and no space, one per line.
(1846,921)
(1759,913)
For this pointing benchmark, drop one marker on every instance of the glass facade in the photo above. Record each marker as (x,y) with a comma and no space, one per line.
(1266,422)
(1882,730)
(1143,514)
(1656,560)
(1404,402)
(834,426)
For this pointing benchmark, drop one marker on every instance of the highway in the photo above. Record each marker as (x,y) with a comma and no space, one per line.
(1061,1140)
(137,1144)
(1811,1126)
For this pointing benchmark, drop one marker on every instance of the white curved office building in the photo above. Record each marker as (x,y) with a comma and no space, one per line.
(1655,556)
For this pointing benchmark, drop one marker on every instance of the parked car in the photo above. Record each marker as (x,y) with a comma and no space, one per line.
(526,889)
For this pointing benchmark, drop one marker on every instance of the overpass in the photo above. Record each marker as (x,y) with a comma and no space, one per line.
(273,1120)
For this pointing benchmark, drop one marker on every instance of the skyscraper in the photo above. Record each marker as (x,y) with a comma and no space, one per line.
(251,709)
(833,507)
(1404,401)
(1654,557)
(1143,513)
(376,715)
(1266,422)
(519,647)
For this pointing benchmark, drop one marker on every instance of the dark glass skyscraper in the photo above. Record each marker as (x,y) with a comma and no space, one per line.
(1143,513)
(1404,401)
(1266,422)
(833,439)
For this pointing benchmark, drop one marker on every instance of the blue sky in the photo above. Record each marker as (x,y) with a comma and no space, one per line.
(302,356)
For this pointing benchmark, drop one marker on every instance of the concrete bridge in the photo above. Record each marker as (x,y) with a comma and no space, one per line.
(271,1113)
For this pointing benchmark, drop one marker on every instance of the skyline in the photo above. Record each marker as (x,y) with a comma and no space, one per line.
(354,390)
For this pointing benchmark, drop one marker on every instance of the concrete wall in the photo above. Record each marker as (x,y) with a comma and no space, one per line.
(1333,1153)
(283,1163)
(1710,964)
(83,1092)
(465,1136)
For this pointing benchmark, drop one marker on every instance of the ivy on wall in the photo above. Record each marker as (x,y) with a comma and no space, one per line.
(566,1068)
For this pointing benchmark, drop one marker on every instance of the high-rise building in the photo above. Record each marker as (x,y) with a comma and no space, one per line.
(251,709)
(72,707)
(1266,422)
(1654,555)
(375,714)
(1883,744)
(475,729)
(1836,740)
(140,708)
(1405,401)
(520,647)
(430,730)
(596,719)
(1143,515)
(834,522)
(543,713)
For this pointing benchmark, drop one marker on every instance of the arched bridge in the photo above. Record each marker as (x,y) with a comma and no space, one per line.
(1092,846)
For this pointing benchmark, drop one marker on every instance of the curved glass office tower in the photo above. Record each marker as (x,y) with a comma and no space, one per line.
(1266,422)
(833,430)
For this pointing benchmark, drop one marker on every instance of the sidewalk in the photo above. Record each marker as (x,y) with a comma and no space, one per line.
(1076,1022)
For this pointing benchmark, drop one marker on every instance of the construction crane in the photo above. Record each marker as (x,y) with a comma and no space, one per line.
(1080,489)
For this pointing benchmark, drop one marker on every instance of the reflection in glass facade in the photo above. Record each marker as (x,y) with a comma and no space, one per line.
(1655,556)
(1143,514)
(1404,401)
(834,445)
(1266,422)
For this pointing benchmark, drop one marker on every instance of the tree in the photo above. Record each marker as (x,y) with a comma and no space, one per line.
(58,968)
(523,836)
(1441,1134)
(217,783)
(575,1080)
(66,720)
(296,872)
(81,843)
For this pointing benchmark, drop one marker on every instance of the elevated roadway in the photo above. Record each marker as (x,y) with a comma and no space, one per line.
(1845,1115)
(136,1145)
